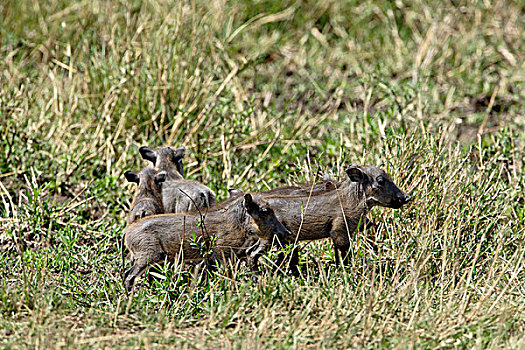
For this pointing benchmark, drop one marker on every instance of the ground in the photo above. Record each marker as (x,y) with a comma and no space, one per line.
(263,94)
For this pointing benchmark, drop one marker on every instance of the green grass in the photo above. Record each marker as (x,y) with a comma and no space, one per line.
(265,93)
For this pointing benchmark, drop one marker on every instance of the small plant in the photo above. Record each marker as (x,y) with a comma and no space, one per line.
(204,245)
(262,93)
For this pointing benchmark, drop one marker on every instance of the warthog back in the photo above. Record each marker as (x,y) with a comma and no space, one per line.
(178,194)
(229,230)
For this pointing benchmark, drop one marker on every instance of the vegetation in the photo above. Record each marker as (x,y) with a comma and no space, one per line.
(265,93)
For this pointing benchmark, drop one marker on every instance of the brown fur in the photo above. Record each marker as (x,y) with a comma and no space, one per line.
(304,190)
(336,213)
(179,195)
(148,195)
(235,226)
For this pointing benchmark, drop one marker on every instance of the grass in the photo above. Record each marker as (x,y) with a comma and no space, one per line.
(265,93)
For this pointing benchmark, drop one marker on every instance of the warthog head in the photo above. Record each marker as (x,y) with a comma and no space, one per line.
(378,186)
(267,223)
(148,196)
(234,192)
(165,158)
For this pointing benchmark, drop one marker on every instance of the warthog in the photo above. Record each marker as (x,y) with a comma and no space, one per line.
(335,213)
(307,190)
(297,190)
(179,195)
(167,159)
(235,225)
(148,196)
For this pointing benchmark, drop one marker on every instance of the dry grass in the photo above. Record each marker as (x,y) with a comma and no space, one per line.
(265,93)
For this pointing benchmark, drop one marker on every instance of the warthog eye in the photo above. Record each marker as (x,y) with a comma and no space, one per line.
(380,180)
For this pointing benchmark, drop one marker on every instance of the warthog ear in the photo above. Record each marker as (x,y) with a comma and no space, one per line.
(132,176)
(249,204)
(148,154)
(234,192)
(160,177)
(180,167)
(179,152)
(355,174)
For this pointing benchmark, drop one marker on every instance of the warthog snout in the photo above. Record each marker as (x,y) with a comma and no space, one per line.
(400,200)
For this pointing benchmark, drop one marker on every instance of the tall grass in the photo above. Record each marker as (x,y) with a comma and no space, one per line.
(265,93)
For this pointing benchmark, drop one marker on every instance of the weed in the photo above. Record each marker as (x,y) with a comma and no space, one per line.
(262,94)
